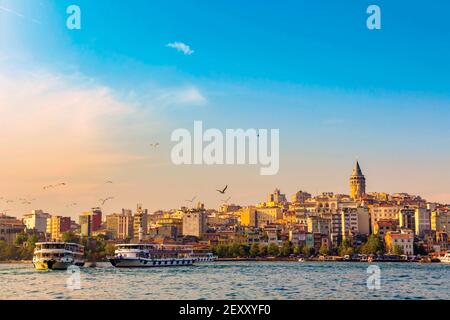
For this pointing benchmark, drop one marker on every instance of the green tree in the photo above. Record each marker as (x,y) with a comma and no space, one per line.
(374,245)
(8,251)
(323,250)
(297,249)
(397,250)
(244,250)
(419,249)
(273,249)
(21,238)
(308,251)
(262,250)
(286,249)
(345,248)
(222,250)
(69,236)
(254,250)
(234,250)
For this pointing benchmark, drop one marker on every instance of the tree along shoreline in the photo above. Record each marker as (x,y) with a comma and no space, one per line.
(98,248)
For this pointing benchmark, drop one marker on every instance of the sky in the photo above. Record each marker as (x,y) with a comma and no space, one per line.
(83,106)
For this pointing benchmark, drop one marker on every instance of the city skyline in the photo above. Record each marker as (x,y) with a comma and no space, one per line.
(356,190)
(84,106)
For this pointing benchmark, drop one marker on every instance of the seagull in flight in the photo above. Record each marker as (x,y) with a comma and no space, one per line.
(109,182)
(155,145)
(103,201)
(54,185)
(72,204)
(192,199)
(226,200)
(222,191)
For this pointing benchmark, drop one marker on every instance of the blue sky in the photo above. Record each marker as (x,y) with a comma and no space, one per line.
(321,44)
(334,88)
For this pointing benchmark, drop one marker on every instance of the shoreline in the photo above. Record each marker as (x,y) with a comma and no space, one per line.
(278,259)
(16,262)
(314,260)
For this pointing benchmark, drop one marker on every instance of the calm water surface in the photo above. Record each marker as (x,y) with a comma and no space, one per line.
(231,280)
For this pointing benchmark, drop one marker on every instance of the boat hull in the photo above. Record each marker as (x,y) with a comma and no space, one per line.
(149,263)
(51,265)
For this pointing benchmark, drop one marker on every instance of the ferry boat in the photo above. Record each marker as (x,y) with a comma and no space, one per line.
(150,255)
(203,256)
(445,258)
(57,255)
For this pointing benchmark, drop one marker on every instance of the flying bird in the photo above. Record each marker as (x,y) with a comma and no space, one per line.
(54,186)
(26,202)
(192,200)
(103,201)
(9,201)
(226,201)
(72,204)
(109,182)
(155,145)
(222,191)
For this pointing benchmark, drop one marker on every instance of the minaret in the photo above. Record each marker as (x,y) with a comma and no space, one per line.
(357,183)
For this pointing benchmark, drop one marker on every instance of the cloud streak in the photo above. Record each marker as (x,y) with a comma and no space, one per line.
(181,47)
(18,14)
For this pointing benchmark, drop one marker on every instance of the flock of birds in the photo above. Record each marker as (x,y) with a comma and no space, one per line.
(102,201)
(26,201)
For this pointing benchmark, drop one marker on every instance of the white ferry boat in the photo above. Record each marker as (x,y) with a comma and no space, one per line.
(445,258)
(150,255)
(204,256)
(57,255)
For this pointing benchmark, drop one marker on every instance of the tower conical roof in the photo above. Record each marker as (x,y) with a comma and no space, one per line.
(357,170)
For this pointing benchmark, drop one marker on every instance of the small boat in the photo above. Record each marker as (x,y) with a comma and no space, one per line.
(57,255)
(150,255)
(445,258)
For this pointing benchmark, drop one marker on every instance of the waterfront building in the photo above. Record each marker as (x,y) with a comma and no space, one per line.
(319,225)
(9,228)
(248,217)
(194,223)
(276,197)
(297,236)
(301,197)
(227,208)
(403,239)
(383,212)
(56,226)
(120,225)
(36,220)
(440,220)
(349,223)
(422,221)
(267,215)
(90,221)
(406,218)
(357,183)
(382,227)
(140,223)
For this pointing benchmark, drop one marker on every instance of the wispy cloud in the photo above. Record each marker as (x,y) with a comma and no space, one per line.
(18,14)
(181,96)
(182,47)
